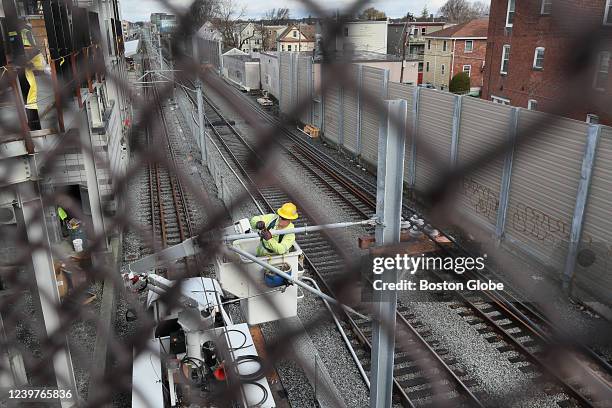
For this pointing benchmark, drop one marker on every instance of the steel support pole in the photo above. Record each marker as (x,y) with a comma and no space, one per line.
(504,193)
(89,162)
(586,174)
(42,262)
(389,187)
(413,140)
(456,130)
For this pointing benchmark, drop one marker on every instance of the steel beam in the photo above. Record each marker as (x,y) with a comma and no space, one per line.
(504,192)
(586,174)
(93,191)
(456,130)
(390,178)
(42,262)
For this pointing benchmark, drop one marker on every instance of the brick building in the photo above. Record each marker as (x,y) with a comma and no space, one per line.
(460,48)
(531,48)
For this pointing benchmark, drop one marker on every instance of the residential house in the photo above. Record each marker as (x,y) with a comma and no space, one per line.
(407,39)
(209,32)
(531,46)
(460,48)
(270,36)
(297,37)
(250,38)
(363,35)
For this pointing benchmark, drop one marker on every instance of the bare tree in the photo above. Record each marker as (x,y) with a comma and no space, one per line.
(229,22)
(460,11)
(372,13)
(277,16)
(202,11)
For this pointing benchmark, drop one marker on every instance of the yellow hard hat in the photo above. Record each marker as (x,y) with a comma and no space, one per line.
(288,211)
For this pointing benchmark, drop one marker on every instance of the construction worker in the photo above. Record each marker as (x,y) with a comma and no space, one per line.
(277,244)
(63,216)
(29,87)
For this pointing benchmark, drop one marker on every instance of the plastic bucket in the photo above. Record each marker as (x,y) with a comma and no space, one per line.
(78,245)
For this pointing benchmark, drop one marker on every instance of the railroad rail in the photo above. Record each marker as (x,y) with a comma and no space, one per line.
(324,261)
(515,325)
(170,212)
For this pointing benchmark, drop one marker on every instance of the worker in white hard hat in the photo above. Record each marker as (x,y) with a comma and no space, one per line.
(277,244)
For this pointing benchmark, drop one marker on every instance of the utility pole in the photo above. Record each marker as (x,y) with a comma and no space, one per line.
(200,99)
(161,54)
(404,52)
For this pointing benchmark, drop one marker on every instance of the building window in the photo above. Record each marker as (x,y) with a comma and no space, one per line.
(532,104)
(427,66)
(510,14)
(505,59)
(295,34)
(592,119)
(500,100)
(608,13)
(603,69)
(423,30)
(469,45)
(468,69)
(442,68)
(289,48)
(429,44)
(346,31)
(444,46)
(538,58)
(546,7)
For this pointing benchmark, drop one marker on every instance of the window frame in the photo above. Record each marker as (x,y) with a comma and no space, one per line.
(607,21)
(444,46)
(532,104)
(423,30)
(294,34)
(510,2)
(443,69)
(501,67)
(465,49)
(535,59)
(543,11)
(428,45)
(469,71)
(500,100)
(289,47)
(426,66)
(598,70)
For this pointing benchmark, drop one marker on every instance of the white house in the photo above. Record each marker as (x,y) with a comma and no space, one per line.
(363,35)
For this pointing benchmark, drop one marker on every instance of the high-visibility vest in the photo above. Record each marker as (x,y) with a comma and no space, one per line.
(37,64)
(61,213)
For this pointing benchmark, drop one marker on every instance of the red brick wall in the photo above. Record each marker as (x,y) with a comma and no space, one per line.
(475,58)
(560,33)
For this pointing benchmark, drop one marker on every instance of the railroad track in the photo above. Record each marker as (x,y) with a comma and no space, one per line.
(170,212)
(324,260)
(516,326)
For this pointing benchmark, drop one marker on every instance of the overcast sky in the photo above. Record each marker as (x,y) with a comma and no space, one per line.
(140,10)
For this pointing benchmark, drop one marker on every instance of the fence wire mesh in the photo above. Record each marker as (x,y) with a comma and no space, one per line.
(45,332)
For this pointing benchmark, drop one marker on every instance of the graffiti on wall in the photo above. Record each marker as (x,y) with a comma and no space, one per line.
(484,200)
(537,224)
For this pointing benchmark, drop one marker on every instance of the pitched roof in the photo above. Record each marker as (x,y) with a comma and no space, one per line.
(307,31)
(474,28)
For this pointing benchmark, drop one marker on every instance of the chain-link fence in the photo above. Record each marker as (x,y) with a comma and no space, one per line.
(109,131)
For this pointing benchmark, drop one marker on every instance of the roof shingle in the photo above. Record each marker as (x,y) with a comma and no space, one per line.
(473,28)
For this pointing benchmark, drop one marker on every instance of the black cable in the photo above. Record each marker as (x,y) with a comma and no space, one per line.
(243,343)
(261,387)
(257,375)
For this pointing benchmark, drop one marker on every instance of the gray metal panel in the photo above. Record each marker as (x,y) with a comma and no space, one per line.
(543,187)
(304,89)
(479,192)
(373,79)
(596,278)
(406,92)
(350,105)
(285,81)
(435,129)
(332,113)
